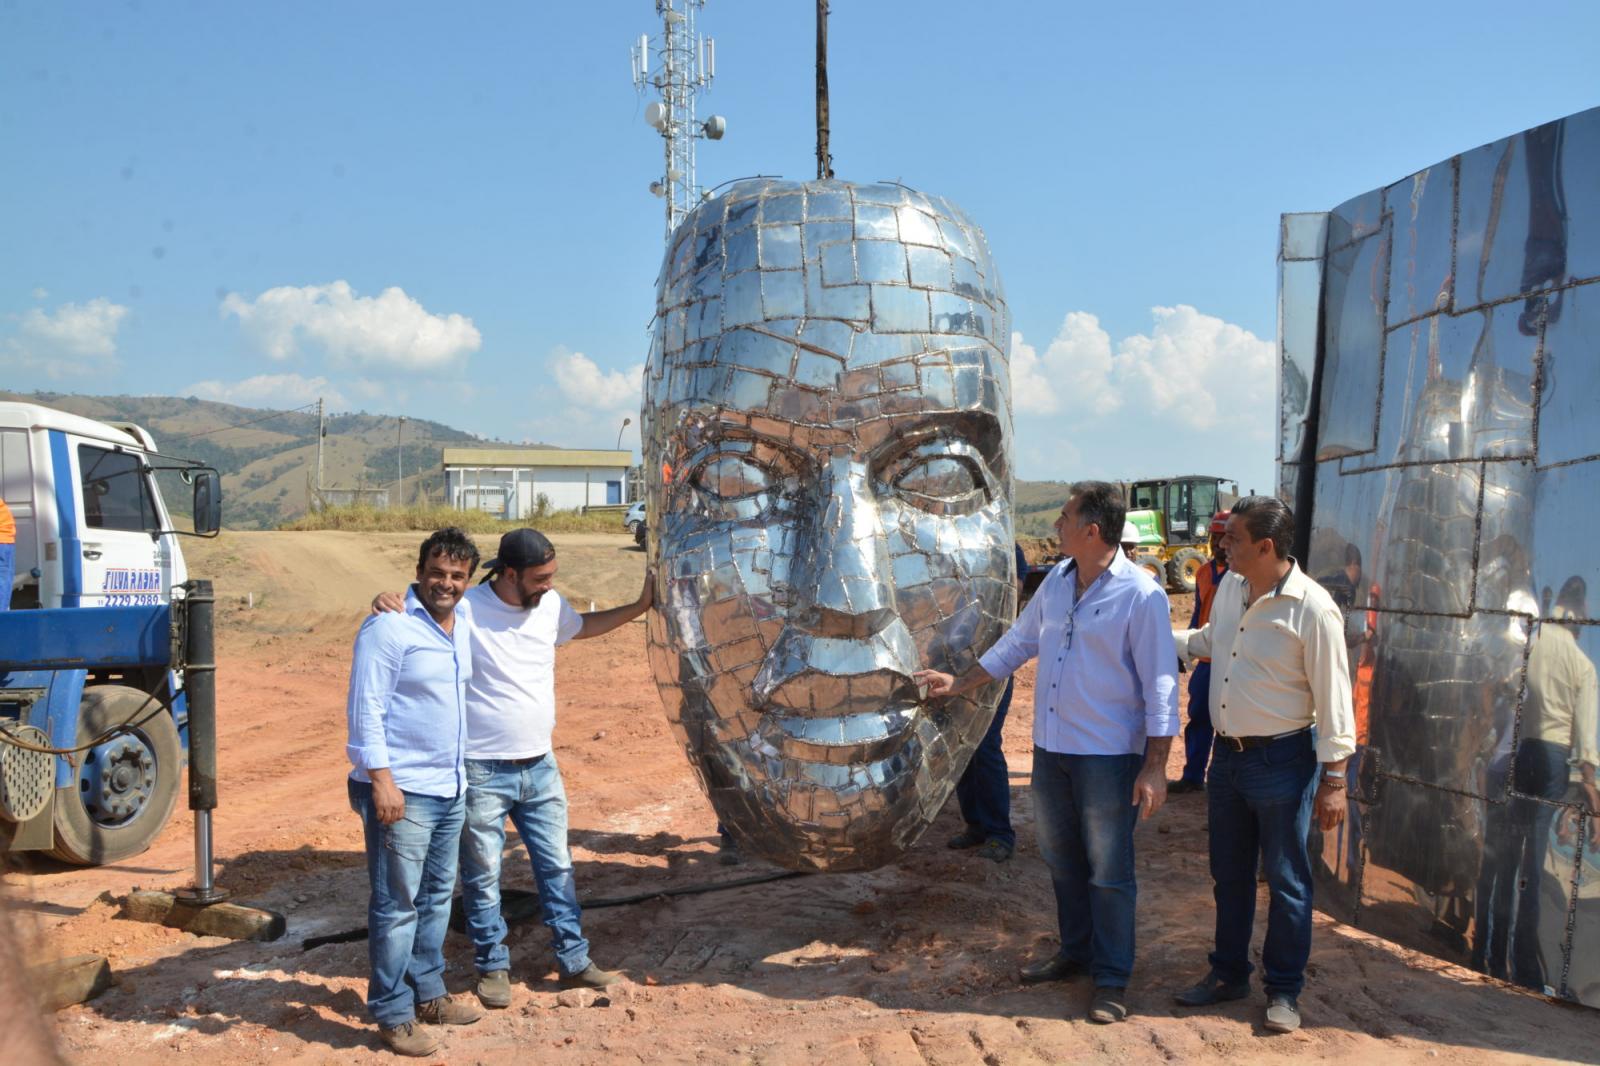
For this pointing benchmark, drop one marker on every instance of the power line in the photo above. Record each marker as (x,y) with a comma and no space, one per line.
(241,425)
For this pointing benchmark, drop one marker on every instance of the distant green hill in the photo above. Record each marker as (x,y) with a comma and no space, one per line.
(268,458)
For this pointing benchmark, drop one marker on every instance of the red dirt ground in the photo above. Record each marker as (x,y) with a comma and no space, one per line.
(914,963)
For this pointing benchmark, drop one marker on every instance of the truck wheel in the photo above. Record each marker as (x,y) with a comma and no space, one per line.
(127,785)
(1184,567)
(638,534)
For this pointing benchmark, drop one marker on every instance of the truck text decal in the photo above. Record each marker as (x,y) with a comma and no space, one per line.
(131,587)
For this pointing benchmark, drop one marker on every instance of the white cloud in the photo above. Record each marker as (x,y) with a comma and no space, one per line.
(1193,393)
(72,339)
(269,390)
(585,385)
(40,292)
(1191,368)
(388,331)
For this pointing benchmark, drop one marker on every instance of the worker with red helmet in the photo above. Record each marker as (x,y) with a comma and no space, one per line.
(1197,734)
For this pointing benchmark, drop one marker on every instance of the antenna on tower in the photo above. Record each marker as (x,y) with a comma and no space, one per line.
(678,64)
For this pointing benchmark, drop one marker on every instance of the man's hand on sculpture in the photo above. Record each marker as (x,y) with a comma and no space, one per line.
(937,683)
(392,602)
(647,597)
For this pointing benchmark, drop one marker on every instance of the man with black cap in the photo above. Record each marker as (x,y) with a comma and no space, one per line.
(518,621)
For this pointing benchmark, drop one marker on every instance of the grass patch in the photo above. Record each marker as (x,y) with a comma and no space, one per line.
(362,519)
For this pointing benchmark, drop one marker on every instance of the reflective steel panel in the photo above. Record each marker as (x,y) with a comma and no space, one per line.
(1452,502)
(827,454)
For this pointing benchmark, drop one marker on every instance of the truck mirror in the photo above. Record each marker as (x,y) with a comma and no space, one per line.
(207,502)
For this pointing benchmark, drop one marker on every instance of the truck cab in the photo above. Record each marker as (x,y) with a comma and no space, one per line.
(93,531)
(89,517)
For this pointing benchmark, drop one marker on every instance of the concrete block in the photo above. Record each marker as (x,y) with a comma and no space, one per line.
(76,979)
(231,920)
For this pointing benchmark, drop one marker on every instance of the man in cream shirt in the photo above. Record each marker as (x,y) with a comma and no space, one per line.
(1280,704)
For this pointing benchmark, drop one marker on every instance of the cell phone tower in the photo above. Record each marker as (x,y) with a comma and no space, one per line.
(678,64)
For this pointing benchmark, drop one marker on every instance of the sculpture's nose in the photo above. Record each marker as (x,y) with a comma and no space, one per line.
(845,591)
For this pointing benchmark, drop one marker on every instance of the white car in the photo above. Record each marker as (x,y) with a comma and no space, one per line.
(633,521)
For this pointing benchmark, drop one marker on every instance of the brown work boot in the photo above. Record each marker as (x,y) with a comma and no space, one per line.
(494,989)
(448,1011)
(408,1038)
(591,976)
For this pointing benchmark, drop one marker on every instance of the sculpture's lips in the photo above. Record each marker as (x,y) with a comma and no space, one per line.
(813,694)
(844,730)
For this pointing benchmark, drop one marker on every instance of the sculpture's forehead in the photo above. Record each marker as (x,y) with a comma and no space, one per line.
(829,304)
(853,273)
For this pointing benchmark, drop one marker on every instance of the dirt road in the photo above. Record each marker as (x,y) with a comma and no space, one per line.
(914,963)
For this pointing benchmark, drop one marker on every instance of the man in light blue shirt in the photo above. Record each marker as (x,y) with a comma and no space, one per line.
(1105,710)
(408,729)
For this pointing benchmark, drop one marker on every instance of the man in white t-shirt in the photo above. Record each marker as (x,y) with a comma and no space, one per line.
(518,621)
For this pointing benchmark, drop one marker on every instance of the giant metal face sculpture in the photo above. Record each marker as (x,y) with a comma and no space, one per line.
(827,429)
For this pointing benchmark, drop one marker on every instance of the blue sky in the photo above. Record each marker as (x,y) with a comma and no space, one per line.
(442,210)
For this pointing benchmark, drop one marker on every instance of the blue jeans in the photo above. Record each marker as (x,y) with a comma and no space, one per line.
(530,792)
(1198,734)
(984,790)
(8,573)
(1259,803)
(1084,814)
(411,866)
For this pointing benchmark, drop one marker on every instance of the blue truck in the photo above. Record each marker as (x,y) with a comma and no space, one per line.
(97,672)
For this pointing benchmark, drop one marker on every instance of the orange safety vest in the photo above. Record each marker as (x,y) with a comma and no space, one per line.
(8,525)
(1205,590)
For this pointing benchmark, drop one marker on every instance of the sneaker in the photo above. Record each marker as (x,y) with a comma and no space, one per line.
(970,837)
(728,853)
(995,850)
(1110,1005)
(448,1011)
(408,1038)
(1283,1013)
(1055,968)
(494,989)
(1209,990)
(591,976)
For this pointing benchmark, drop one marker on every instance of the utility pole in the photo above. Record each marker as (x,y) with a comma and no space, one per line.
(824,153)
(321,432)
(399,463)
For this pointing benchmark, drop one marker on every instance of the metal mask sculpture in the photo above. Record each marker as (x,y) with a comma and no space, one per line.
(1440,364)
(826,437)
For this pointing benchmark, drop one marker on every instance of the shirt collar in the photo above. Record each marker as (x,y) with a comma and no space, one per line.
(414,606)
(1293,584)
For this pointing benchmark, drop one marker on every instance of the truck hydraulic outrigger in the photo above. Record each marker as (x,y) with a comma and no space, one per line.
(178,637)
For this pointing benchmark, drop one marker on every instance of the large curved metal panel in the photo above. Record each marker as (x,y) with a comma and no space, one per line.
(1455,486)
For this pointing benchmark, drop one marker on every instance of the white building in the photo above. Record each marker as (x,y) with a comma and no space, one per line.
(508,481)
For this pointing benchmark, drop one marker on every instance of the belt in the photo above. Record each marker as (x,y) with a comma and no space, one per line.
(1246,743)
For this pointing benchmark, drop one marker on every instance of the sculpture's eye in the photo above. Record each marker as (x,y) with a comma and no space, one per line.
(731,477)
(940,478)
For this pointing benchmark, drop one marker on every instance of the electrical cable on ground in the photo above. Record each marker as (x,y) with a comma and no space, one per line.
(519,906)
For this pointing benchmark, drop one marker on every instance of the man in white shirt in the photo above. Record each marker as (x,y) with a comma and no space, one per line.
(518,621)
(1280,704)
